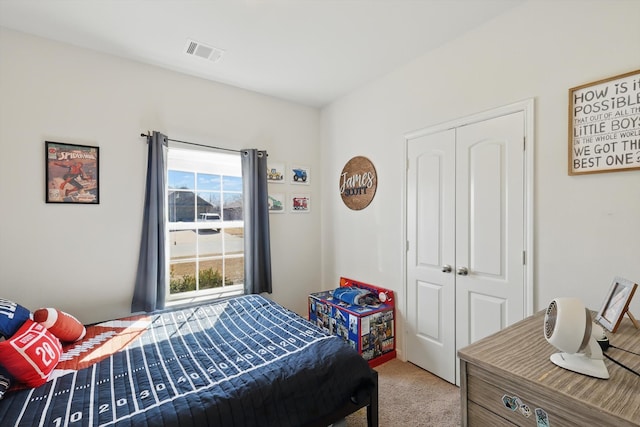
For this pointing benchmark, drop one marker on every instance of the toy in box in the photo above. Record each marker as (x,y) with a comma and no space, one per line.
(362,314)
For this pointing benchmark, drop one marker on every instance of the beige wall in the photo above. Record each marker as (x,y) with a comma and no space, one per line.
(83,258)
(586,227)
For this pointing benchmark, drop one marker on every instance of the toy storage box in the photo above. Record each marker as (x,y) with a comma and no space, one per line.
(369,329)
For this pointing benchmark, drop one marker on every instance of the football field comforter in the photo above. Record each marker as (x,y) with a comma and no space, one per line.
(245,361)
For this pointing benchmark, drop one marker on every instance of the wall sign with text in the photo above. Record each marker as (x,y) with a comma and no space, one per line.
(604,125)
(358,183)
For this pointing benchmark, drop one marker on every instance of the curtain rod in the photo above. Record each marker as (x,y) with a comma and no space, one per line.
(196,144)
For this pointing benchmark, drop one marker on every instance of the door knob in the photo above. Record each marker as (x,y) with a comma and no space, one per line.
(462,271)
(446,268)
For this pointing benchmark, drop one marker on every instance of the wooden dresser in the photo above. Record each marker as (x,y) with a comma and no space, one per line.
(513,366)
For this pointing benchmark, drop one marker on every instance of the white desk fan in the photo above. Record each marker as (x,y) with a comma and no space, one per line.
(568,327)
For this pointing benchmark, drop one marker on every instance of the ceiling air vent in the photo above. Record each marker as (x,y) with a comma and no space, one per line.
(201,50)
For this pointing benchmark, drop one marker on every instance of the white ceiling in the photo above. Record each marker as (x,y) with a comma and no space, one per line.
(307,51)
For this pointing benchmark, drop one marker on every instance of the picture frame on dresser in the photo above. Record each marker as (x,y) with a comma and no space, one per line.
(616,304)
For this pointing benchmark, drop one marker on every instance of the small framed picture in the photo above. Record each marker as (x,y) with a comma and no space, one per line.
(300,203)
(276,202)
(275,172)
(72,173)
(300,174)
(616,304)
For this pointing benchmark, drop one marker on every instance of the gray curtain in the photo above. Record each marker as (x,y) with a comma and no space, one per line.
(257,246)
(150,287)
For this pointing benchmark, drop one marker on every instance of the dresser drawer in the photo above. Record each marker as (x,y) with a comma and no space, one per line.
(479,416)
(490,392)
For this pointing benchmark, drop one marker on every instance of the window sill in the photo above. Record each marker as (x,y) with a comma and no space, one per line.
(178,302)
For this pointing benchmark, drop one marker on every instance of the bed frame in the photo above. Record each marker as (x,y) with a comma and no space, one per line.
(370,402)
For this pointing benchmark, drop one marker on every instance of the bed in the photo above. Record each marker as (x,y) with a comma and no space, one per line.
(243,361)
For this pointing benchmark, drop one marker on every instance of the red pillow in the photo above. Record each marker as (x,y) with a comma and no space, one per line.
(31,354)
(63,325)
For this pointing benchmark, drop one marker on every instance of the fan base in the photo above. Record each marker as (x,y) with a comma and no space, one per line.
(581,364)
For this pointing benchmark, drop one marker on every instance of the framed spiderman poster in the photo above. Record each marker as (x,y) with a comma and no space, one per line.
(72,173)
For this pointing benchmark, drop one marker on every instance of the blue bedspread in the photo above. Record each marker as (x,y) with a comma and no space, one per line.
(245,361)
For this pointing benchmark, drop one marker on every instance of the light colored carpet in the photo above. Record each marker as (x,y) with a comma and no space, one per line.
(411,397)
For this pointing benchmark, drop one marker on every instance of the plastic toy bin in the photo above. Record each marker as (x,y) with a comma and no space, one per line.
(369,329)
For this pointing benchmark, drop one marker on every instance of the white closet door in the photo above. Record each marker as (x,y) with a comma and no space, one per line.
(490,227)
(465,230)
(431,253)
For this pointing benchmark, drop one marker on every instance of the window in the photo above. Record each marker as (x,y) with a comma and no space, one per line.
(205,223)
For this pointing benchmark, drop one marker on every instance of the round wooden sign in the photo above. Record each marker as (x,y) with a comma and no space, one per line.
(358,183)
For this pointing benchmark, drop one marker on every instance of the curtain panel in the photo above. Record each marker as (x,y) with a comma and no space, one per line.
(151,282)
(257,245)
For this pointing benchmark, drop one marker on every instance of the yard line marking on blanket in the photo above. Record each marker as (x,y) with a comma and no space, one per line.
(275,344)
(200,311)
(148,371)
(195,315)
(286,318)
(132,386)
(161,361)
(92,395)
(194,318)
(113,394)
(173,350)
(67,414)
(242,317)
(212,320)
(178,325)
(236,338)
(24,407)
(48,403)
(219,366)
